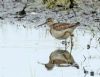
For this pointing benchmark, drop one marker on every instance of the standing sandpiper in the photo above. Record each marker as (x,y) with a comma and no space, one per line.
(61,30)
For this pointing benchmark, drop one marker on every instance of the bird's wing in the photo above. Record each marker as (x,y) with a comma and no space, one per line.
(62,26)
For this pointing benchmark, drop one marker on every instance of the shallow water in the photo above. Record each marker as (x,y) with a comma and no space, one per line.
(22,48)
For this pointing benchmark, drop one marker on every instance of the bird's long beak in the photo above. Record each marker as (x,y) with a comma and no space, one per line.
(40,25)
(41,63)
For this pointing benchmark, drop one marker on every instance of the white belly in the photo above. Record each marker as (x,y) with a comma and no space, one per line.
(64,34)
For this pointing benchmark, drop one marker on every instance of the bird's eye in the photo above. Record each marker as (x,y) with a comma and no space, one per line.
(49,20)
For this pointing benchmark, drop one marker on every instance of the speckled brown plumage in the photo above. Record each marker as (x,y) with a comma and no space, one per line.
(62,26)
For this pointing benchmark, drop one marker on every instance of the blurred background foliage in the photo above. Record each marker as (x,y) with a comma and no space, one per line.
(58,3)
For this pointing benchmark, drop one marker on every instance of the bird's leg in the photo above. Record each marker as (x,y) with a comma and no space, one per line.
(65,45)
(71,43)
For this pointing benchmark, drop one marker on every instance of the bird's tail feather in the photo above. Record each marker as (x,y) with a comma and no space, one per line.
(77,23)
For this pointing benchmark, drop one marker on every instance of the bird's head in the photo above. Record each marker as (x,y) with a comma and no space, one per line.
(49,22)
(49,66)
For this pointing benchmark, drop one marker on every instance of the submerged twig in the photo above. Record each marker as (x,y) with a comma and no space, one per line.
(85,72)
(71,4)
(1,18)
